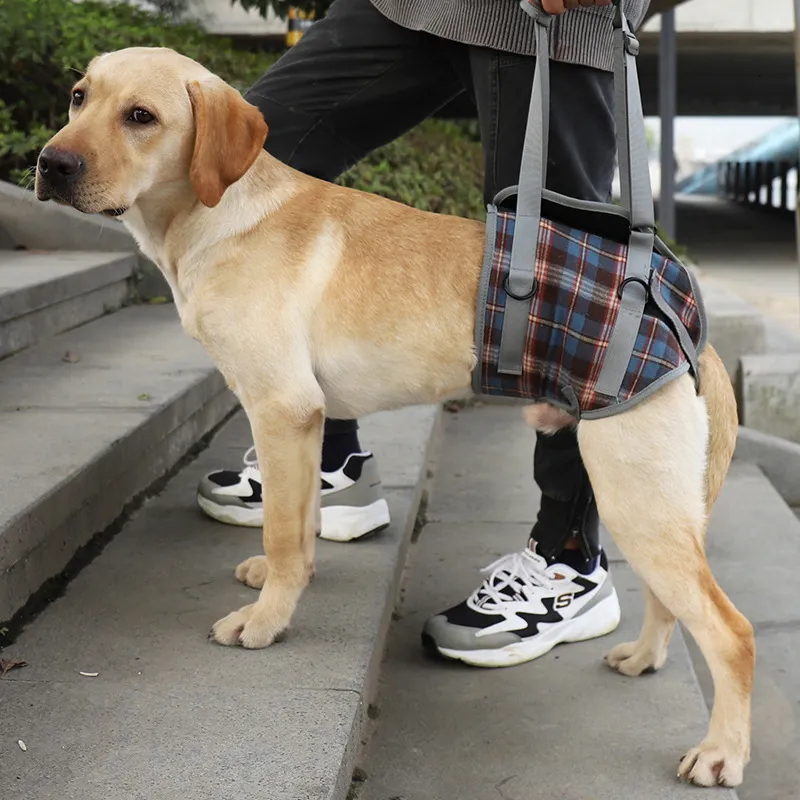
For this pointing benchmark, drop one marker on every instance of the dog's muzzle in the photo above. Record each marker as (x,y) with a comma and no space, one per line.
(58,172)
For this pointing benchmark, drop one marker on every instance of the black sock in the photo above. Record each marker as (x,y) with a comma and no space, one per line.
(578,561)
(336,447)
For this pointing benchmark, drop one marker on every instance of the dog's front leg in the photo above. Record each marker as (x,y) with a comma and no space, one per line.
(288,439)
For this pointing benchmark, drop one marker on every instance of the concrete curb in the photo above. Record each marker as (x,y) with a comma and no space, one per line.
(778,459)
(414,503)
(768,394)
(736,328)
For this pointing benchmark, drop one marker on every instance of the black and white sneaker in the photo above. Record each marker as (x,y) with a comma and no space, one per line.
(523,609)
(352,503)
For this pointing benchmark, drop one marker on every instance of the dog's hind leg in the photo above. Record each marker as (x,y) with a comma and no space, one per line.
(648,470)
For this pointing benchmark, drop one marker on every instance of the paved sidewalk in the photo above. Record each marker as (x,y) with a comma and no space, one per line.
(563,727)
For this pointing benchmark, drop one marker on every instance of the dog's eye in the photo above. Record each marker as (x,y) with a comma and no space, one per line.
(78,97)
(140,116)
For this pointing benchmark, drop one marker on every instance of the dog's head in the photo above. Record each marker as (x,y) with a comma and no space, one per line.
(141,119)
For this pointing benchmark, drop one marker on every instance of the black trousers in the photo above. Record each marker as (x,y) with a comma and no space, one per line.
(357,81)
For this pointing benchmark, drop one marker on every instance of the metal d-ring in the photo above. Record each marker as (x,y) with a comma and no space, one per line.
(634,279)
(526,296)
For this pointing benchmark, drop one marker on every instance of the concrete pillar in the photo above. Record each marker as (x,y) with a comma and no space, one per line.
(759,182)
(747,181)
(784,173)
(737,181)
(797,85)
(769,177)
(667,100)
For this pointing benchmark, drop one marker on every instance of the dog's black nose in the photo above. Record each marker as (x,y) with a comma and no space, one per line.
(59,166)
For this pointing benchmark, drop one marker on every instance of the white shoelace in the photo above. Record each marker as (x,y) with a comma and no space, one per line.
(250,458)
(520,572)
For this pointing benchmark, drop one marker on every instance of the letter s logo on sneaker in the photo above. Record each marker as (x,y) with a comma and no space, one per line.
(563,600)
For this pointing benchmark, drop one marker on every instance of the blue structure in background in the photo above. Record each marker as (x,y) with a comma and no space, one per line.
(756,174)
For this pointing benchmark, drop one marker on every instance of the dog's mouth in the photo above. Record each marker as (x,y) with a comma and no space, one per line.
(44,192)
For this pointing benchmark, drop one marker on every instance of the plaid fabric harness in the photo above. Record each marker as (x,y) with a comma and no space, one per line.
(572,313)
(580,303)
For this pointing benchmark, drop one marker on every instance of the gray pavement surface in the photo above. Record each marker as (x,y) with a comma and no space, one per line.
(563,727)
(171,715)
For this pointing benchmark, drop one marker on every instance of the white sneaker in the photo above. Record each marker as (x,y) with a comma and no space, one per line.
(352,502)
(523,609)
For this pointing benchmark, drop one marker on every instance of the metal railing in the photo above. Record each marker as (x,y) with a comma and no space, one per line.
(758,184)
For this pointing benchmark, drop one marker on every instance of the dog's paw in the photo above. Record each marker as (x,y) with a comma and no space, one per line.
(252,572)
(633,659)
(248,629)
(228,630)
(709,765)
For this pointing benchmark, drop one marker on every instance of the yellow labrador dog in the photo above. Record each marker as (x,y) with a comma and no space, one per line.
(313,299)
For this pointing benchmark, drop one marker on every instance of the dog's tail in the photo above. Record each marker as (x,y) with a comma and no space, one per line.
(723,420)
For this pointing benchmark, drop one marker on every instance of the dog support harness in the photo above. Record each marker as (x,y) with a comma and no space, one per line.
(580,304)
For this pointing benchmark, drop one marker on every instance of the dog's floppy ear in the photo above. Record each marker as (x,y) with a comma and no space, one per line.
(229,134)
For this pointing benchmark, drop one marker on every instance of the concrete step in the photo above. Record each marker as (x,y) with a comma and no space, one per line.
(172,716)
(564,726)
(27,223)
(754,550)
(45,293)
(88,420)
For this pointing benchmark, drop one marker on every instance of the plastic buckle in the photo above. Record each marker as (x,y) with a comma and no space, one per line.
(631,44)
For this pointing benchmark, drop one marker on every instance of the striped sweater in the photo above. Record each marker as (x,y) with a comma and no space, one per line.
(580,36)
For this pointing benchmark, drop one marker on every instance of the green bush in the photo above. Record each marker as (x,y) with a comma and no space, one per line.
(45,44)
(438,167)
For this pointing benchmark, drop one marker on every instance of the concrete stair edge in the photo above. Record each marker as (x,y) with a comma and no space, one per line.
(778,459)
(104,455)
(44,295)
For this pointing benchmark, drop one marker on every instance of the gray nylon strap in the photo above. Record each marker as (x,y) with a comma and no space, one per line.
(533,173)
(629,318)
(679,329)
(637,193)
(637,196)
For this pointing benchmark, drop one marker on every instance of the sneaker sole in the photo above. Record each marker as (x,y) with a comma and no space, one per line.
(339,523)
(599,621)
(232,515)
(345,523)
